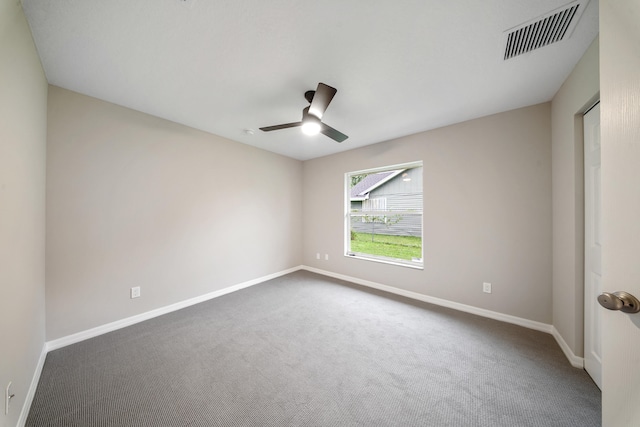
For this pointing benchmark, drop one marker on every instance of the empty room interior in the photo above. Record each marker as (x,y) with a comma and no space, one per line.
(177,251)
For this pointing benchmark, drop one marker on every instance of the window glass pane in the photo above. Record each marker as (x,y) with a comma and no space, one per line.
(384,214)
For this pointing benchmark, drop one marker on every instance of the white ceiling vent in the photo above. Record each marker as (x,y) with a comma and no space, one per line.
(544,30)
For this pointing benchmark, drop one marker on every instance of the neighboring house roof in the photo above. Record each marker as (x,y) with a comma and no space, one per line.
(361,190)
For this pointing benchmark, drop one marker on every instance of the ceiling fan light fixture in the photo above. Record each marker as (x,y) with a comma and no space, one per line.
(310,126)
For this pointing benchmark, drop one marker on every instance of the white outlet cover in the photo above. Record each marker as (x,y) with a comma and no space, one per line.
(135,292)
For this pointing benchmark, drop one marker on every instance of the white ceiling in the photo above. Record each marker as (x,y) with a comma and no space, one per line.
(400,67)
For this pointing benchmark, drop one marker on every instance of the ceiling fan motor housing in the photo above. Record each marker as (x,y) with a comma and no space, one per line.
(308,95)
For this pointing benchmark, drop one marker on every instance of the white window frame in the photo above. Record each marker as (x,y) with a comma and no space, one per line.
(347,219)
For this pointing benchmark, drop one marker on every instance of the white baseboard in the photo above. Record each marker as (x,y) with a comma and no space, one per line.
(576,361)
(531,324)
(24,413)
(118,324)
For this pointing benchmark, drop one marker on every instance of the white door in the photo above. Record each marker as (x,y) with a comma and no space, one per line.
(592,246)
(620,139)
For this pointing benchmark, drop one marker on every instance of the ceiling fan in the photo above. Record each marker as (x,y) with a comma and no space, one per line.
(311,123)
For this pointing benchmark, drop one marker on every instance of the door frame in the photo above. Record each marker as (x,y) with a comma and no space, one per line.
(593,365)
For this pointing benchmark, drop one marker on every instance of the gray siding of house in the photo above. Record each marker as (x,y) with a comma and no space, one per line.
(409,225)
(401,195)
(398,186)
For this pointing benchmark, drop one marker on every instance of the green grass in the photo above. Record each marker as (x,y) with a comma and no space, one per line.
(399,247)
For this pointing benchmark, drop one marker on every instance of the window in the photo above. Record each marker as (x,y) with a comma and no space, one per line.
(383,214)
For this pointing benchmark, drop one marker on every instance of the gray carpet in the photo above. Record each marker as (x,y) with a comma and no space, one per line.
(306,350)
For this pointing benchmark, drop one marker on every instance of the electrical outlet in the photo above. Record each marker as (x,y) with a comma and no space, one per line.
(135,292)
(7,398)
(486,287)
(326,257)
(318,255)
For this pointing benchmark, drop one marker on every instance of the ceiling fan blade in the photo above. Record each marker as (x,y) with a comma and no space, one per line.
(278,127)
(321,99)
(332,133)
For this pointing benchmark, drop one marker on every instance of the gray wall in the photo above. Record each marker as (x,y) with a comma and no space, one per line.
(134,200)
(487,212)
(578,93)
(23,122)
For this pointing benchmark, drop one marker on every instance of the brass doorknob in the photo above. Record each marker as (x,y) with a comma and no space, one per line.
(620,300)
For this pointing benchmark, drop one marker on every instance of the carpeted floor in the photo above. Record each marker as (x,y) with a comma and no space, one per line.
(306,350)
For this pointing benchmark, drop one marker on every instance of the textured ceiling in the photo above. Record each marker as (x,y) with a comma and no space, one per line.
(226,66)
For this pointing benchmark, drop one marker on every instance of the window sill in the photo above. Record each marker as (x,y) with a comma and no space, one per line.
(400,263)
